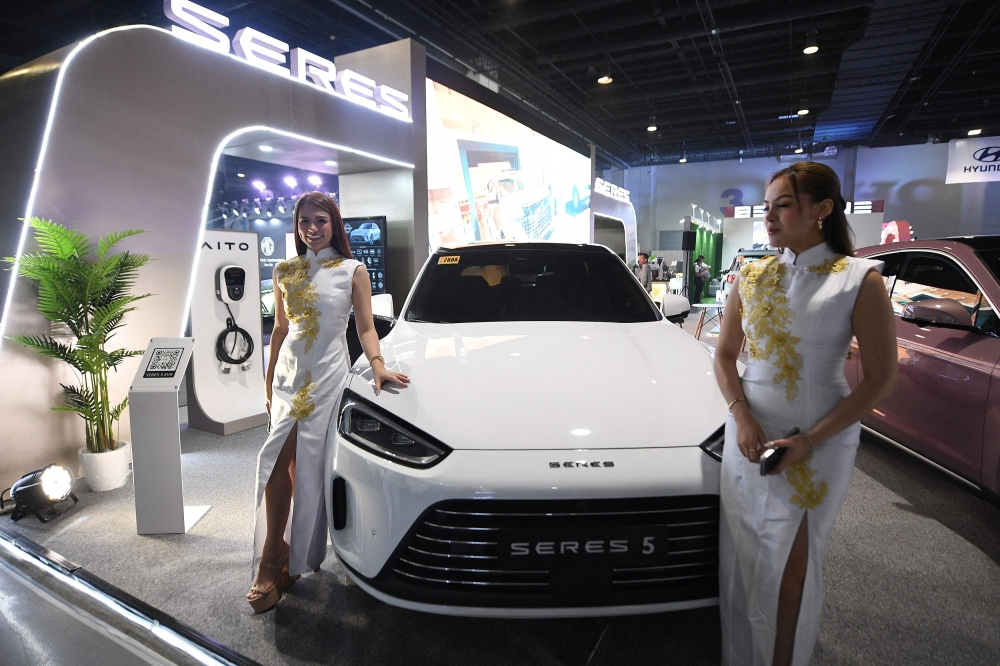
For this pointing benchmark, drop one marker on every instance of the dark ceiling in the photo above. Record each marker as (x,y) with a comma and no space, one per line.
(723,78)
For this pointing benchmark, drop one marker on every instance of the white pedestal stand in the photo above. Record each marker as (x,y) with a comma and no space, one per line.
(156,440)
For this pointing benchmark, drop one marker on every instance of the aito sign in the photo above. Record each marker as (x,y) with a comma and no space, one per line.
(200,26)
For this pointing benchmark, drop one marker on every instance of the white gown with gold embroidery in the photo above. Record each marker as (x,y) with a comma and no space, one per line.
(797,317)
(309,376)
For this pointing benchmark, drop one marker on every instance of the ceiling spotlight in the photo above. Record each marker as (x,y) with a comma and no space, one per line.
(39,492)
(652,124)
(315,180)
(259,184)
(241,175)
(811,46)
(605,76)
(266,148)
(975,132)
(330,163)
(291,182)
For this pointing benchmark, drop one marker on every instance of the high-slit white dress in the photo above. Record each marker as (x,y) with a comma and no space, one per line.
(309,376)
(797,318)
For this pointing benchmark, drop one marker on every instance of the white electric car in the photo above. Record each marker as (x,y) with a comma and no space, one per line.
(556,454)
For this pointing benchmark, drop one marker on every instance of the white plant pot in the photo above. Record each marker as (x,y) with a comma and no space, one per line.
(108,470)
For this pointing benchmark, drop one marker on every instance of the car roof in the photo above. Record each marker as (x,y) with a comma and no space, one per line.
(977,242)
(483,246)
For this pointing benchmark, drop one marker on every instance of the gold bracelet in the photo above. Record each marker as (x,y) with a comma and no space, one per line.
(376,358)
(736,400)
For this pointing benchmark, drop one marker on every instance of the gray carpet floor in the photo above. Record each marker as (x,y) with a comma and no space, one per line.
(912,576)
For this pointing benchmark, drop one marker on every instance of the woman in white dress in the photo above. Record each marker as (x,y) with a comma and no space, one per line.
(798,311)
(309,365)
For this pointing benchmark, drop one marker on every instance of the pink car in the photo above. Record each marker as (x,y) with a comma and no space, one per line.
(946,407)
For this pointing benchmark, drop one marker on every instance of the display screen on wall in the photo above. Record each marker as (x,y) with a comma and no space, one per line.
(250,195)
(368,243)
(491,178)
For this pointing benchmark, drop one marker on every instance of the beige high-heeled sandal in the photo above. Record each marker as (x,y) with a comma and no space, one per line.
(269,597)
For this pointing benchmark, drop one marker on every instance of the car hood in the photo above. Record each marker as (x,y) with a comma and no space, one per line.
(550,385)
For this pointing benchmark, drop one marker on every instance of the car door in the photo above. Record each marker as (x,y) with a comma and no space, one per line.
(939,404)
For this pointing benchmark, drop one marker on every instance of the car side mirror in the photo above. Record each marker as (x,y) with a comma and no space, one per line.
(675,308)
(943,312)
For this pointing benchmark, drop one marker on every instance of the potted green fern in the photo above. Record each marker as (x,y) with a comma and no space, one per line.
(87,291)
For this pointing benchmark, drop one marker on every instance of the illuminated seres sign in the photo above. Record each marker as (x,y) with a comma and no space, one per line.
(198,25)
(610,190)
(850,208)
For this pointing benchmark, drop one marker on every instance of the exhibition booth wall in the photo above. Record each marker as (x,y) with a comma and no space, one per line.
(909,179)
(125,130)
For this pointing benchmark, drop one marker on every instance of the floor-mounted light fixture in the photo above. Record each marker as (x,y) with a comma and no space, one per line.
(605,77)
(41,492)
(652,124)
(811,45)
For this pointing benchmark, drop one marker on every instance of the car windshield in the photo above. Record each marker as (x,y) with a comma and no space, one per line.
(992,259)
(509,186)
(519,284)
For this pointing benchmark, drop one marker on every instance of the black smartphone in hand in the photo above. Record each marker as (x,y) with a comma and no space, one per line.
(772,457)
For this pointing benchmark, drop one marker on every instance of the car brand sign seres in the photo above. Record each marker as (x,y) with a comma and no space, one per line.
(199,25)
(974,160)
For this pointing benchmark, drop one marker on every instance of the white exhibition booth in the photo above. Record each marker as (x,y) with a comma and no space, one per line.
(125,130)
(129,129)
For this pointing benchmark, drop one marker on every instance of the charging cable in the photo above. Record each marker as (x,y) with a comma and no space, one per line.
(241,341)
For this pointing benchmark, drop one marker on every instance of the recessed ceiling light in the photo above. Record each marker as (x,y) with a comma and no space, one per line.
(330,163)
(241,175)
(266,148)
(974,132)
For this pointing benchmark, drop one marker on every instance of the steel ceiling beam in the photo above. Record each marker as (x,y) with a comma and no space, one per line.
(801,11)
(688,90)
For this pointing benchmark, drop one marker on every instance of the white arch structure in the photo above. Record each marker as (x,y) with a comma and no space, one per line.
(134,122)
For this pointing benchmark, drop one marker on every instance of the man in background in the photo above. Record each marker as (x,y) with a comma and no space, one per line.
(644,272)
(702,272)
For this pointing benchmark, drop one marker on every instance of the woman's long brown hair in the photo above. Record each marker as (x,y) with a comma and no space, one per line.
(820,182)
(325,202)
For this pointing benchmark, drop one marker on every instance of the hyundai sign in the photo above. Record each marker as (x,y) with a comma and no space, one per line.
(974,160)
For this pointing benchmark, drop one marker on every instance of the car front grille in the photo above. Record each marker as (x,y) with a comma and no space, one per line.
(452,555)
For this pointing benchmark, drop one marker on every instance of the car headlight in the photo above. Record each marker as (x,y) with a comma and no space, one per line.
(713,445)
(379,432)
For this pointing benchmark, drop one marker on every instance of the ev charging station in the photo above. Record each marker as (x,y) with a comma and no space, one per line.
(226,381)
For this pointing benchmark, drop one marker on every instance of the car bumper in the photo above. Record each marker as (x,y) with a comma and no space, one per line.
(439,540)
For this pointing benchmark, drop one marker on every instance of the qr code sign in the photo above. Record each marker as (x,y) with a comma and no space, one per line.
(163,363)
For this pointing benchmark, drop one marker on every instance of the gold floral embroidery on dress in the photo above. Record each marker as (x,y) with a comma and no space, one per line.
(836,264)
(333,263)
(302,404)
(769,318)
(808,494)
(300,297)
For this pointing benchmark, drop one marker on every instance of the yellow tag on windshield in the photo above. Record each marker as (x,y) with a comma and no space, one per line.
(452,259)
